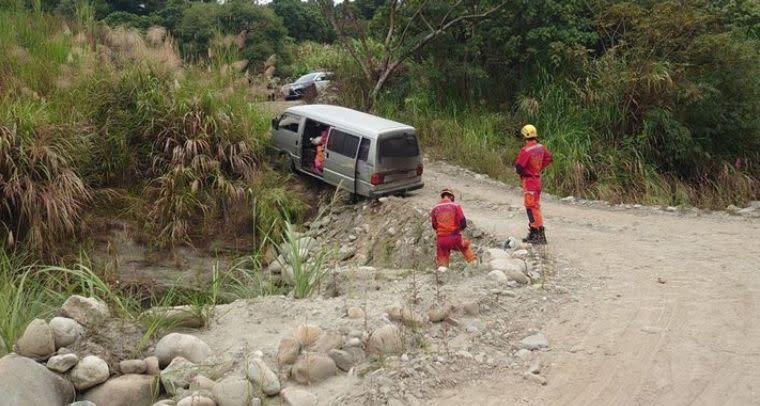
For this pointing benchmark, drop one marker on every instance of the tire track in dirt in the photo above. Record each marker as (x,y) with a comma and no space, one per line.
(627,339)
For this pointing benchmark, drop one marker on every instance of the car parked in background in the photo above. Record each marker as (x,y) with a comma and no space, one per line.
(320,80)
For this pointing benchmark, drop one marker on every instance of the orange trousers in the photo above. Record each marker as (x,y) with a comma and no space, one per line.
(533,207)
(444,244)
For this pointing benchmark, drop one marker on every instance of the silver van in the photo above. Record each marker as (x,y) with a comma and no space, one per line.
(363,154)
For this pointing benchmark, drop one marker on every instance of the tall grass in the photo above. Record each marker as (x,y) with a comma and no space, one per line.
(309,269)
(92,120)
(582,128)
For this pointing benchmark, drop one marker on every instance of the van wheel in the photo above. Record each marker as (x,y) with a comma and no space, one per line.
(347,197)
(283,162)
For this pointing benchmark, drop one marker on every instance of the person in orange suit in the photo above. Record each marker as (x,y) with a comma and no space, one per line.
(448,222)
(321,143)
(531,161)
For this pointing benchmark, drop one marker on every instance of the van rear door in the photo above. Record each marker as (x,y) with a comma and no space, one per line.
(340,159)
(398,157)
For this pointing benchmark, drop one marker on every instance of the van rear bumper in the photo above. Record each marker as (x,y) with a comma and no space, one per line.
(403,189)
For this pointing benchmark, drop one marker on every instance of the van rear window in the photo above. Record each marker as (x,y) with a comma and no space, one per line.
(403,146)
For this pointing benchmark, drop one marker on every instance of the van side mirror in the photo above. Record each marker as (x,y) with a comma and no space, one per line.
(276,123)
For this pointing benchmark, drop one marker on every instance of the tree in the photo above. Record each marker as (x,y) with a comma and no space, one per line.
(409,26)
(262,31)
(303,20)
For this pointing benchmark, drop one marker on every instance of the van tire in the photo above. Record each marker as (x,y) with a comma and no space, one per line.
(283,162)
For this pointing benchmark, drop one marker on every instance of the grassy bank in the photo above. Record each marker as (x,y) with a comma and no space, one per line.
(591,159)
(104,126)
(107,121)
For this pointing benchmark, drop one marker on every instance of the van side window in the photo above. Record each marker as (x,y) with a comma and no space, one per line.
(290,122)
(364,150)
(342,143)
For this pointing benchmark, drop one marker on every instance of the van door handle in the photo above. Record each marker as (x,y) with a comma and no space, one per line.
(296,142)
(327,155)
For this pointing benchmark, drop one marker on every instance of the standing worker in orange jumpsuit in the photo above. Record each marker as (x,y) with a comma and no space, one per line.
(448,222)
(531,161)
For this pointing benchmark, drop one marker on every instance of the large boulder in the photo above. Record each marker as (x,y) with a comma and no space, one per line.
(181,345)
(498,276)
(24,382)
(326,342)
(179,316)
(385,340)
(179,374)
(62,363)
(518,276)
(406,315)
(264,378)
(151,366)
(440,312)
(343,359)
(37,341)
(234,391)
(126,390)
(288,351)
(534,342)
(496,254)
(89,372)
(65,331)
(298,397)
(508,265)
(88,311)
(196,400)
(306,334)
(313,368)
(133,366)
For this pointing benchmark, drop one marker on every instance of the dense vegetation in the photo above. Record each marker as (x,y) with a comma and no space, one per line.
(647,101)
(98,120)
(108,127)
(654,101)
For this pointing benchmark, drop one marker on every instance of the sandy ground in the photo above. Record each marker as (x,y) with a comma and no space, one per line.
(671,318)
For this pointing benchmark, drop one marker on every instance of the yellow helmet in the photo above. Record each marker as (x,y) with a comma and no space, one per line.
(529,131)
(447,191)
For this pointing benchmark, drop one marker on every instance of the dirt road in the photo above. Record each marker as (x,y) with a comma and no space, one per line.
(630,339)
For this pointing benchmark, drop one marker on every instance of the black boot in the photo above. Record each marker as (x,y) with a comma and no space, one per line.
(532,233)
(540,236)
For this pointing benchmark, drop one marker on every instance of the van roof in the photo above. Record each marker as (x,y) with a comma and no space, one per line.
(360,122)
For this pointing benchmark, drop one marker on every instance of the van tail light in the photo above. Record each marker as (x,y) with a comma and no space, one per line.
(420,168)
(377,179)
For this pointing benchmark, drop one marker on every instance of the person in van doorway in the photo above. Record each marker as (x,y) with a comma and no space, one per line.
(448,222)
(321,143)
(531,161)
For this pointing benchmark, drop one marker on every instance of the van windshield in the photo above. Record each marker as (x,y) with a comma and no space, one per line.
(401,146)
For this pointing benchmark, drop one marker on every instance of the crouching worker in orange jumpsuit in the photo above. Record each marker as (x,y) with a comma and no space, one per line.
(448,222)
(530,162)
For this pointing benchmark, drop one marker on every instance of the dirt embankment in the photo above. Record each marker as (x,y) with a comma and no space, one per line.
(626,305)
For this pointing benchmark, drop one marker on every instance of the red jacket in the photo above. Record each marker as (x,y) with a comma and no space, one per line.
(447,218)
(532,160)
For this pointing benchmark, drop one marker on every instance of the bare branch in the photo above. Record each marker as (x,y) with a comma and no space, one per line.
(425,20)
(409,23)
(389,36)
(429,37)
(392,24)
(362,34)
(448,13)
(327,11)
(472,16)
